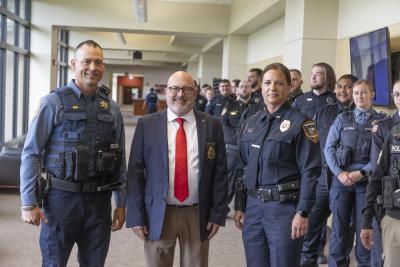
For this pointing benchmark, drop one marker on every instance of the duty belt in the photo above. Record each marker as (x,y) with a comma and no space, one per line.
(264,194)
(284,192)
(92,185)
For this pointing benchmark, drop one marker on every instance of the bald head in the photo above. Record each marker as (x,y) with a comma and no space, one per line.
(181,77)
(181,93)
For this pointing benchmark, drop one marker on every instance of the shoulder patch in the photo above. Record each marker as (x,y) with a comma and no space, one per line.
(311,131)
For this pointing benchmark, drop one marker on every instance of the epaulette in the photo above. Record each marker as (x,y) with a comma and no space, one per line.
(104,89)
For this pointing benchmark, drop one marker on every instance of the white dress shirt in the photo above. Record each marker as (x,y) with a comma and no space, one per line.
(192,156)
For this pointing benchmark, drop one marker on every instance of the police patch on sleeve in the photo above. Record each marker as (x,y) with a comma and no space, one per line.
(311,131)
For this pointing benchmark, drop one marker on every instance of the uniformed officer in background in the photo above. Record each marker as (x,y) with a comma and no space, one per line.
(347,153)
(244,95)
(151,101)
(254,77)
(297,82)
(78,133)
(201,100)
(279,148)
(226,107)
(383,184)
(322,83)
(314,240)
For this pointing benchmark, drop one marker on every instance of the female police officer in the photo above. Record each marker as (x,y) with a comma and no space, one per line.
(347,153)
(280,151)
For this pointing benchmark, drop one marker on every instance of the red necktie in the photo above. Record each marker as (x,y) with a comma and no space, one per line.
(181,189)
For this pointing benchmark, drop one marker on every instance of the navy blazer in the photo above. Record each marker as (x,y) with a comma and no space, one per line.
(147,180)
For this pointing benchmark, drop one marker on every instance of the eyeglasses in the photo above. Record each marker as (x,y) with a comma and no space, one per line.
(185,89)
(397,94)
(278,84)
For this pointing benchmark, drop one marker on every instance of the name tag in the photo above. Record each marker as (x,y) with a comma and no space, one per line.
(309,99)
(348,128)
(395,149)
(256,146)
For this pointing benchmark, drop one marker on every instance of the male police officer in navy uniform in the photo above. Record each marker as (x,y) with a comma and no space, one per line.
(279,147)
(78,133)
(201,100)
(322,82)
(313,246)
(151,101)
(254,77)
(295,90)
(226,107)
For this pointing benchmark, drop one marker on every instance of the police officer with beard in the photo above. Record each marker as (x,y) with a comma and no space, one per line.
(226,107)
(384,137)
(254,77)
(280,151)
(314,240)
(295,90)
(322,82)
(78,134)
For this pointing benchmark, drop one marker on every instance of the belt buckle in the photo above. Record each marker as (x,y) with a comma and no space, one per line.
(261,195)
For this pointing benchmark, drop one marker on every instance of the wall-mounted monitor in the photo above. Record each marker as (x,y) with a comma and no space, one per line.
(370,59)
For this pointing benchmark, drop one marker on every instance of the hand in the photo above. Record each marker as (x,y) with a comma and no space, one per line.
(355,176)
(141,231)
(367,239)
(118,219)
(213,229)
(239,219)
(33,216)
(299,226)
(345,179)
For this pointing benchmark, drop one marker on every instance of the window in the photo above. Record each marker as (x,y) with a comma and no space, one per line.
(14,67)
(62,61)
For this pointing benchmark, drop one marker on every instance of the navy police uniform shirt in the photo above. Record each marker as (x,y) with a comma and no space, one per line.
(281,147)
(200,103)
(310,103)
(379,131)
(151,99)
(228,109)
(257,97)
(293,97)
(49,114)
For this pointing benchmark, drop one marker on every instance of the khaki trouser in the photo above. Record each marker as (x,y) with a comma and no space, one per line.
(181,224)
(391,241)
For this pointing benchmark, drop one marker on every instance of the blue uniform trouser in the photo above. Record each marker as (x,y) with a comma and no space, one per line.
(267,234)
(233,160)
(342,200)
(316,226)
(82,218)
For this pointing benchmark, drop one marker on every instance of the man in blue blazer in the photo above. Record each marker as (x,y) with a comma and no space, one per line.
(177,178)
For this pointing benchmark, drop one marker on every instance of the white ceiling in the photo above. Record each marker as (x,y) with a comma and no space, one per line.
(168,47)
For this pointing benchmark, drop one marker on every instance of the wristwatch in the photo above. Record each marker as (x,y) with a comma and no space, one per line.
(303,213)
(363,172)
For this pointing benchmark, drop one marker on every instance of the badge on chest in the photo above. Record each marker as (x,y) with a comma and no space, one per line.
(285,125)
